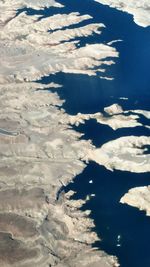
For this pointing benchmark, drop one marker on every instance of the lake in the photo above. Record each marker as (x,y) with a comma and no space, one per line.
(124,231)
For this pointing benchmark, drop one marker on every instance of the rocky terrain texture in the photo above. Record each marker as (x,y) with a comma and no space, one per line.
(39,152)
(127,153)
(113,116)
(130,148)
(138,197)
(138,8)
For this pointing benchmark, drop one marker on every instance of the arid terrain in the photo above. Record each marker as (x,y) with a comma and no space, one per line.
(39,151)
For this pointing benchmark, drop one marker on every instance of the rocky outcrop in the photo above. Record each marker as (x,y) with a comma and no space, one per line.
(39,152)
(139,9)
(125,153)
(138,197)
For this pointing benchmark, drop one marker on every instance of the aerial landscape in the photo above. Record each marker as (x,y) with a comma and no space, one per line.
(74,133)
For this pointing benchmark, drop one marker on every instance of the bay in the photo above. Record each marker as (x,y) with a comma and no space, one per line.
(124,231)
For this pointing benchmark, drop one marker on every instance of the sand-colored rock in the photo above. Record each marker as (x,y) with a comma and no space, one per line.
(39,152)
(27,39)
(138,8)
(125,153)
(113,109)
(115,118)
(138,197)
(145,113)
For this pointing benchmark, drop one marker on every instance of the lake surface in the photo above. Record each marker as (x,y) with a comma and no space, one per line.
(131,71)
(125,231)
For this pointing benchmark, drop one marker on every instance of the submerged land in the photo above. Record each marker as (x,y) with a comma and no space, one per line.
(39,151)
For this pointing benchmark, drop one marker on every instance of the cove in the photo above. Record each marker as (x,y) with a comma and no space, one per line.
(131,71)
(89,95)
(113,219)
(124,231)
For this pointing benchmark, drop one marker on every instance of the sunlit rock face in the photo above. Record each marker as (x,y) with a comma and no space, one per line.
(39,151)
(115,121)
(145,113)
(125,153)
(32,39)
(113,116)
(139,9)
(138,197)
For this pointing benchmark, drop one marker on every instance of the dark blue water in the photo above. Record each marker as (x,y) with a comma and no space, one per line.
(131,71)
(113,219)
(100,134)
(91,94)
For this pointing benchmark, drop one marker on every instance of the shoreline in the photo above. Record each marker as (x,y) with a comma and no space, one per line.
(39,222)
(46,153)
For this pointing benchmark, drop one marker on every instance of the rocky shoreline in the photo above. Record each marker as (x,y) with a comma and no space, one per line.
(139,9)
(35,228)
(39,151)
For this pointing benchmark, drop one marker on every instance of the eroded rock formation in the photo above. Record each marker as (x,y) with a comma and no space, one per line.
(138,197)
(125,153)
(39,151)
(139,9)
